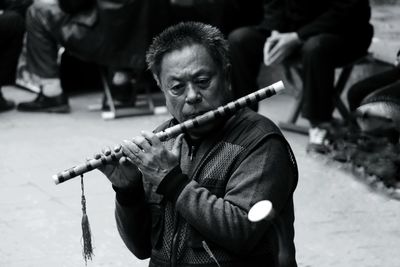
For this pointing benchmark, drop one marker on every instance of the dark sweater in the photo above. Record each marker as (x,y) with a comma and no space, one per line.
(208,198)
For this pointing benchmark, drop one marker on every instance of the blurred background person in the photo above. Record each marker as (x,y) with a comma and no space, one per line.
(12,29)
(320,35)
(113,34)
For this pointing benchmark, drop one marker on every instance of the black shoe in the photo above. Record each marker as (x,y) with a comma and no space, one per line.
(42,103)
(5,104)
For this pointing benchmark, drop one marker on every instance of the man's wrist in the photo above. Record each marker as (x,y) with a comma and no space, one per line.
(172,184)
(130,194)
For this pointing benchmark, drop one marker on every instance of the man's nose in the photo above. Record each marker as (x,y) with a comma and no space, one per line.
(193,95)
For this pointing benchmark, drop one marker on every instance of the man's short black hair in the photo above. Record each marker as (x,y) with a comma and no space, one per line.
(186,34)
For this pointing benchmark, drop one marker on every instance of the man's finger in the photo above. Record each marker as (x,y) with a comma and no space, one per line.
(131,150)
(117,148)
(106,151)
(126,161)
(152,138)
(274,43)
(266,52)
(142,143)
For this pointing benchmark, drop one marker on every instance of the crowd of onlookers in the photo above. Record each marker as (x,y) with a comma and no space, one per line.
(315,36)
(113,35)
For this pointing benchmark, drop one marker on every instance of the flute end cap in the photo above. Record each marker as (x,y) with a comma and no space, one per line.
(55,179)
(278,87)
(260,211)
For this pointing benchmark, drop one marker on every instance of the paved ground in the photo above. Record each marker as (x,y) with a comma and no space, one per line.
(339,221)
(386,41)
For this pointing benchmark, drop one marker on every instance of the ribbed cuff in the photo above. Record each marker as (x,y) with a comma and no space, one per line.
(172,184)
(128,196)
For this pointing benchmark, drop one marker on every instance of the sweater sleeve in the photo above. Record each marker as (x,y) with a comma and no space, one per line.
(266,173)
(134,220)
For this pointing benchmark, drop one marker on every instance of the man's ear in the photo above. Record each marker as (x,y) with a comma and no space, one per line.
(228,72)
(157,80)
(228,76)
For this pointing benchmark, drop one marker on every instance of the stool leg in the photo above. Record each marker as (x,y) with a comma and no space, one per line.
(342,108)
(296,111)
(290,125)
(339,87)
(107,93)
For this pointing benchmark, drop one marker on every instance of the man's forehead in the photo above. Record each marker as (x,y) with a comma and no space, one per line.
(195,62)
(187,50)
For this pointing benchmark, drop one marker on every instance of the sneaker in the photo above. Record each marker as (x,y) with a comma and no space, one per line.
(318,141)
(5,104)
(42,103)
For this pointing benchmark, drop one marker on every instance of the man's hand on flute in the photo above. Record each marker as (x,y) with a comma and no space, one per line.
(122,174)
(152,158)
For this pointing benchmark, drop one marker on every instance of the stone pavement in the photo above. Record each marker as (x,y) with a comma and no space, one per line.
(386,22)
(339,222)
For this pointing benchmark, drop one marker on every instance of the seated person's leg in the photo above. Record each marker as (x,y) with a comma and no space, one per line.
(320,56)
(125,84)
(43,24)
(121,82)
(12,28)
(76,74)
(246,45)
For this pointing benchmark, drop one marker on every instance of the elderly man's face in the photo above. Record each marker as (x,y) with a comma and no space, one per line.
(192,83)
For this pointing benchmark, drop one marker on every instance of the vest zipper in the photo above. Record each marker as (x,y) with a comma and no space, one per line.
(192,152)
(174,245)
(209,252)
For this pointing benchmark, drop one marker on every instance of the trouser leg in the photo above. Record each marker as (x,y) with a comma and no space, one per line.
(246,45)
(320,56)
(43,21)
(12,28)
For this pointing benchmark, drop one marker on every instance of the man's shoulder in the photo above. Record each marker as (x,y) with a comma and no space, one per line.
(248,127)
(257,122)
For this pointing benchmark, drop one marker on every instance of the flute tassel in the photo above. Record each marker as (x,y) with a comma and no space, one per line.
(86,233)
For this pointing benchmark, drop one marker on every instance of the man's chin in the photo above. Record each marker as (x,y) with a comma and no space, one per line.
(202,131)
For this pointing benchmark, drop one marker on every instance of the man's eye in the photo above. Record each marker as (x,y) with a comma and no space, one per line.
(203,82)
(177,89)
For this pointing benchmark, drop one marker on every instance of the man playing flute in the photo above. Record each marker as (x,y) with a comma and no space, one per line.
(185,201)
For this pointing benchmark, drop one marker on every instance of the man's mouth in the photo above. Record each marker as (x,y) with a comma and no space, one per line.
(193,115)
